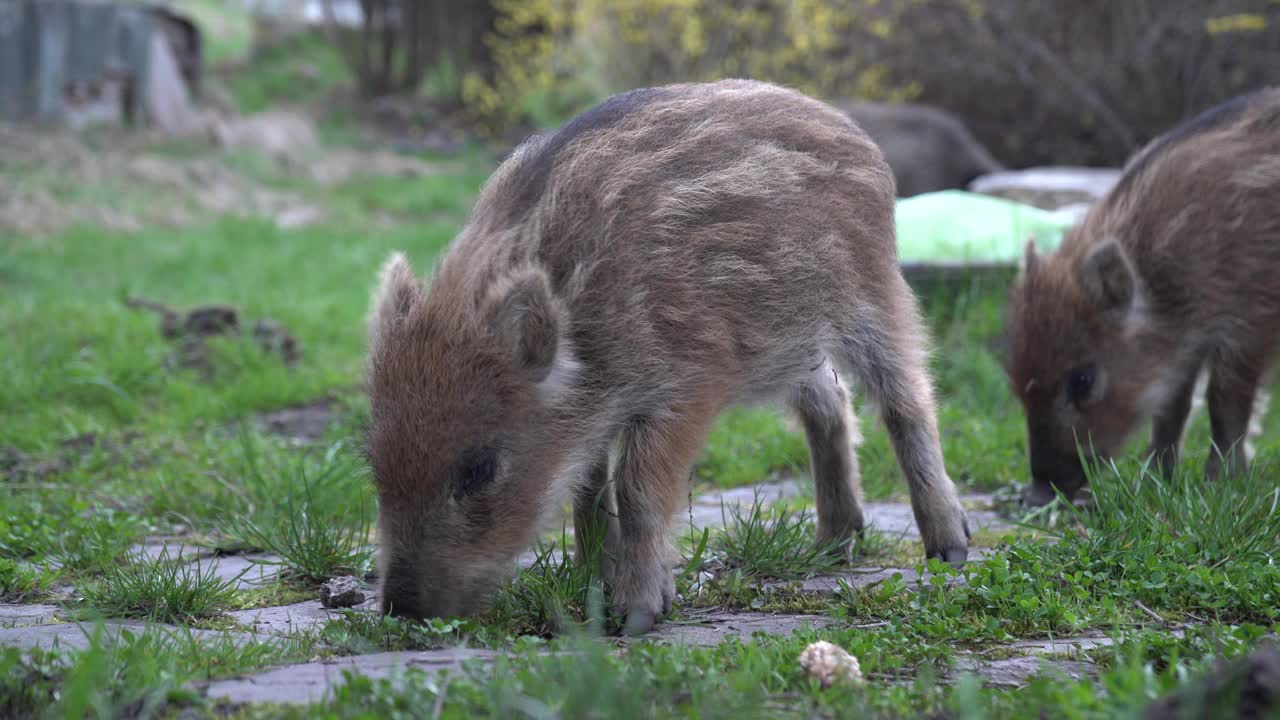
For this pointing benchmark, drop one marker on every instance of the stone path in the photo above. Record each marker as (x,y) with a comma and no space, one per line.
(890,518)
(29,626)
(286,619)
(307,683)
(710,627)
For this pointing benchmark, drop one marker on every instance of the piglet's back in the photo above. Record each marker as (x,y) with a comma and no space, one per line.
(736,213)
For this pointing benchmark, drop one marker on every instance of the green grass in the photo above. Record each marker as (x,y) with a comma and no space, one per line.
(298,70)
(363,632)
(226,28)
(160,589)
(135,674)
(749,445)
(553,595)
(314,513)
(47,534)
(761,679)
(778,546)
(174,453)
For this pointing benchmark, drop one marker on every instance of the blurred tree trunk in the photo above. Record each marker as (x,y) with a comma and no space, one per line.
(400,40)
(414,65)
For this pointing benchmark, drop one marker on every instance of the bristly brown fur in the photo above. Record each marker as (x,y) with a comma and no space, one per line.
(1175,271)
(620,283)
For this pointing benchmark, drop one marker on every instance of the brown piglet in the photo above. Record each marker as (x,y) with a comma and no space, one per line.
(619,283)
(1174,273)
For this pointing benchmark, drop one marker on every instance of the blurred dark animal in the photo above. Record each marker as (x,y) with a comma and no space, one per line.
(1242,688)
(928,149)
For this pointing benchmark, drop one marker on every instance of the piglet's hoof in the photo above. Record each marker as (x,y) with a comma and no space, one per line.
(639,623)
(955,556)
(1038,495)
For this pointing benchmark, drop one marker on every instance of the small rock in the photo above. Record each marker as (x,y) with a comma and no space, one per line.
(341,592)
(830,664)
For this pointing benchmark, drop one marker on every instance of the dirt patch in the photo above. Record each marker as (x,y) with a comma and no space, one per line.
(411,123)
(301,424)
(16,465)
(280,134)
(208,184)
(191,329)
(341,165)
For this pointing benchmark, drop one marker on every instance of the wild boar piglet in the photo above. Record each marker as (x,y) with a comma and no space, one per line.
(619,283)
(1174,273)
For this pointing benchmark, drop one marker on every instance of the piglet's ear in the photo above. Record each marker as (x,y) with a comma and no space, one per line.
(398,291)
(1108,278)
(526,318)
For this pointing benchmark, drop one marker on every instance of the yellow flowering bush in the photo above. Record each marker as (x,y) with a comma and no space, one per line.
(1038,81)
(552,57)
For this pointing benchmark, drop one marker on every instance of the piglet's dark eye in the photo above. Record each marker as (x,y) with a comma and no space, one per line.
(475,469)
(1080,383)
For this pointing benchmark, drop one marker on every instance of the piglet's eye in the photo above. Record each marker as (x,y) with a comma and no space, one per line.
(1080,383)
(474,471)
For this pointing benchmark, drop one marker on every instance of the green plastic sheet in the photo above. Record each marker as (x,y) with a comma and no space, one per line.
(953,227)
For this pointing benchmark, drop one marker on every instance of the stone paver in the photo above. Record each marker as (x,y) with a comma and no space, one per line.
(291,618)
(1018,671)
(247,573)
(16,615)
(77,635)
(890,518)
(172,548)
(39,625)
(60,635)
(252,569)
(308,683)
(1066,645)
(710,627)
(856,578)
(301,424)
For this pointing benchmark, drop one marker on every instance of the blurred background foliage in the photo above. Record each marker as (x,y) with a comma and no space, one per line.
(1039,81)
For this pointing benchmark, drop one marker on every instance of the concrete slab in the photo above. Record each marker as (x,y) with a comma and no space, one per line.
(14,615)
(72,636)
(76,635)
(1018,671)
(291,618)
(174,548)
(856,578)
(258,568)
(890,518)
(249,570)
(712,627)
(308,683)
(1065,645)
